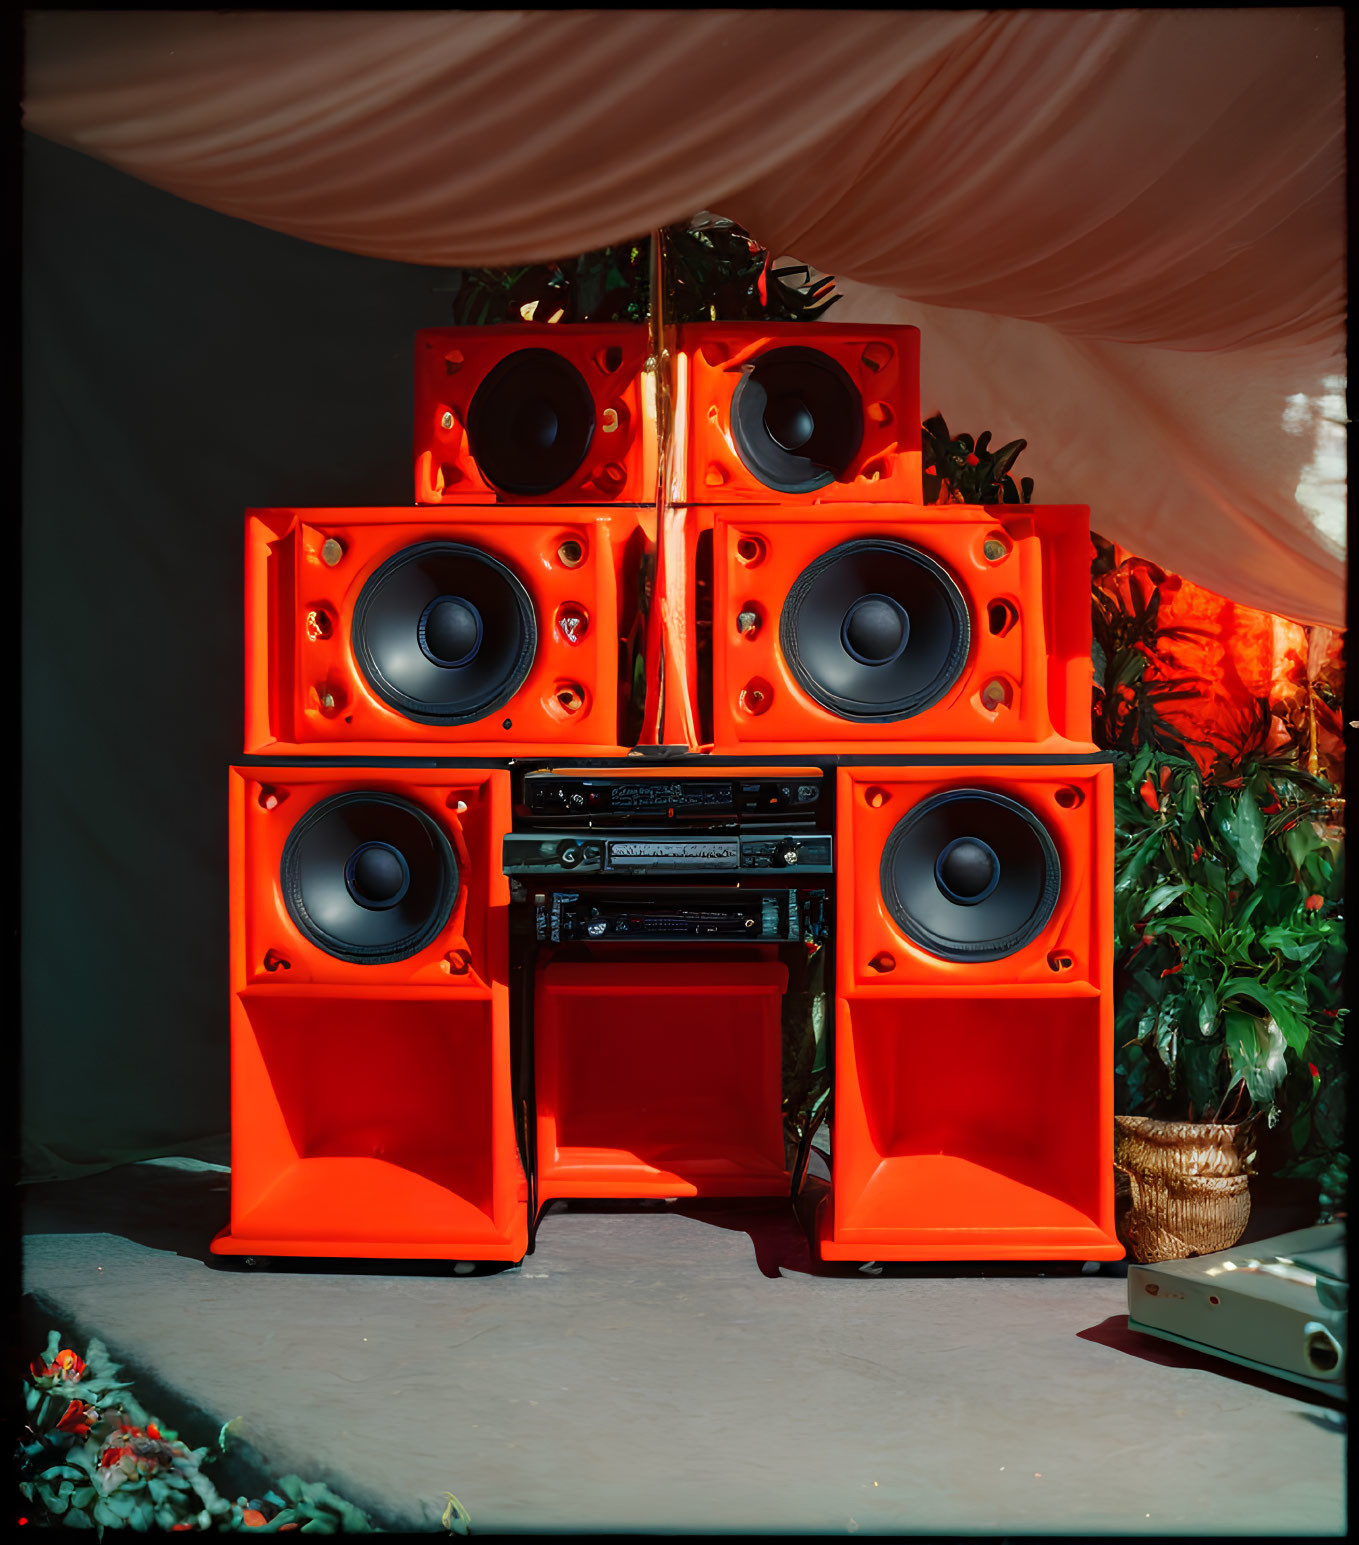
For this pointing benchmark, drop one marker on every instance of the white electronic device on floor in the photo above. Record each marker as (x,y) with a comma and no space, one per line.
(1280,1305)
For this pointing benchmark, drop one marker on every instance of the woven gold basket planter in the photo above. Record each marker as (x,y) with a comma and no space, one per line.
(1188,1186)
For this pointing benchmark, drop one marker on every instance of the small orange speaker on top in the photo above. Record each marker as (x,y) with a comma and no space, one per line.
(792,413)
(373,632)
(558,413)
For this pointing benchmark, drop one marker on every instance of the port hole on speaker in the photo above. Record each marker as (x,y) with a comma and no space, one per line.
(750,620)
(454,361)
(996,547)
(457,962)
(995,695)
(1069,798)
(750,550)
(608,420)
(273,961)
(271,798)
(572,622)
(756,696)
(567,700)
(570,553)
(715,353)
(876,797)
(319,625)
(883,963)
(1001,616)
(879,413)
(1059,960)
(877,356)
(609,359)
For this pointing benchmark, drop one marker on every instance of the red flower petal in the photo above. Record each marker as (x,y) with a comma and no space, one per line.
(1171,970)
(1314,901)
(1148,793)
(1312,1069)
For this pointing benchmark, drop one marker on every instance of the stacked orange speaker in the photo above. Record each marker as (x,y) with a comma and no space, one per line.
(940,655)
(374,1110)
(726,569)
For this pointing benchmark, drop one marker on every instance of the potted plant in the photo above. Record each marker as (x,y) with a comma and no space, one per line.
(1229,942)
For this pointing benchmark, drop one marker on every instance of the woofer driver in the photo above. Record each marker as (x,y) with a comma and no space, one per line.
(970,875)
(875,630)
(369,877)
(444,633)
(530,422)
(796,419)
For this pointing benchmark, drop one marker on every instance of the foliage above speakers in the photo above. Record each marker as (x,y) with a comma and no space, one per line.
(715,271)
(960,470)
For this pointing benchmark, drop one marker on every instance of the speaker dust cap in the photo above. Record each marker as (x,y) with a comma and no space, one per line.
(369,877)
(970,875)
(530,422)
(444,633)
(875,630)
(796,419)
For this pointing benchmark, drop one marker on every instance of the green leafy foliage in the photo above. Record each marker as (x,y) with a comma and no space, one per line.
(714,270)
(960,470)
(90,1457)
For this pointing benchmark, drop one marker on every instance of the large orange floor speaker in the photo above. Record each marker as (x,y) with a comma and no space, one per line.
(371,1103)
(888,629)
(492,631)
(659,1076)
(784,413)
(973,1093)
(535,413)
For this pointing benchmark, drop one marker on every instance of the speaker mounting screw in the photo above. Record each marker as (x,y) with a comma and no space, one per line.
(995,548)
(747,622)
(327,700)
(332,551)
(446,422)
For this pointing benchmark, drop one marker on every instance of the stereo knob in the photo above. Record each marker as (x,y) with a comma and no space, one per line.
(786,854)
(569,854)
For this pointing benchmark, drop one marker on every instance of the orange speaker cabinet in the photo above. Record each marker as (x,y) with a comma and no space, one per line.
(659,1077)
(923,629)
(771,413)
(974,1025)
(371,1105)
(495,632)
(558,413)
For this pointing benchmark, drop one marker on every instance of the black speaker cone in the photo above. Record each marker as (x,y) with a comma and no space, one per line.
(444,633)
(530,422)
(796,419)
(369,877)
(970,875)
(875,630)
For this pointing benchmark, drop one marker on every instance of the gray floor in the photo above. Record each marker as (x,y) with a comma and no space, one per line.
(671,1367)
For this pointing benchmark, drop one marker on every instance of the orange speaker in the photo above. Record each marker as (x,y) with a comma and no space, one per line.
(789,413)
(535,413)
(974,1024)
(372,1112)
(888,629)
(381,631)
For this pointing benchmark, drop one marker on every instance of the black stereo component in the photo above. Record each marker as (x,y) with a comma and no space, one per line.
(558,796)
(580,853)
(652,917)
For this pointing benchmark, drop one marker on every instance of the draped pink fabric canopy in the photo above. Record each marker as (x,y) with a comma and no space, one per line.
(1121,232)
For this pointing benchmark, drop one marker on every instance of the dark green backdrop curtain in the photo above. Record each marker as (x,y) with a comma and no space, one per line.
(179,366)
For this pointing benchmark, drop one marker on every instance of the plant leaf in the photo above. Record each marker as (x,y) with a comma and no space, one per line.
(1256,1050)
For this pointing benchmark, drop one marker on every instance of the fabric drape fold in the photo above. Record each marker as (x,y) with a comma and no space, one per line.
(1122,231)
